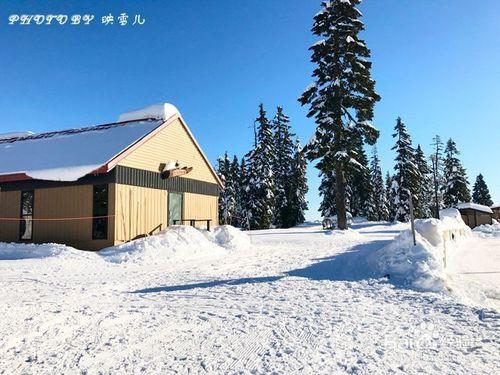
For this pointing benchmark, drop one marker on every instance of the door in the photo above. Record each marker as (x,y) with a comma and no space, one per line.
(174,208)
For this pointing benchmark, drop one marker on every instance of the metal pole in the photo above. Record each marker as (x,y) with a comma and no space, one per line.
(412,220)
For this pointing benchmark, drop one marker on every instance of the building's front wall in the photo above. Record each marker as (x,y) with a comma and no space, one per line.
(61,215)
(139,212)
(198,206)
(474,218)
(496,213)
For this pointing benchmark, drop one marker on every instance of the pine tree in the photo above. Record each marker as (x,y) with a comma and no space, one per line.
(407,176)
(378,209)
(424,195)
(456,188)
(297,203)
(391,204)
(341,99)
(260,188)
(481,193)
(358,180)
(243,204)
(327,189)
(236,178)
(437,175)
(282,165)
(227,195)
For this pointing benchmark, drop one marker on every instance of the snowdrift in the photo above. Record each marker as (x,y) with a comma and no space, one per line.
(488,230)
(16,251)
(178,241)
(421,267)
(231,238)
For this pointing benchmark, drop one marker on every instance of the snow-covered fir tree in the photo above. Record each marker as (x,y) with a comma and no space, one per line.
(242,204)
(296,200)
(260,179)
(282,166)
(327,189)
(377,204)
(456,187)
(236,179)
(480,192)
(424,197)
(227,195)
(358,180)
(437,175)
(391,205)
(341,98)
(407,176)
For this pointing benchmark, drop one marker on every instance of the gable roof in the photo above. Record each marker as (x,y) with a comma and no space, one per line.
(68,155)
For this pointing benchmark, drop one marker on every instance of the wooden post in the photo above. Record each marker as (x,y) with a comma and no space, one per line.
(412,220)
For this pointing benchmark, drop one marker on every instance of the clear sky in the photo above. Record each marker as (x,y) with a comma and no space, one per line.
(436,63)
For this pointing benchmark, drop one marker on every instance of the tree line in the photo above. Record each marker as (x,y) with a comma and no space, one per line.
(267,187)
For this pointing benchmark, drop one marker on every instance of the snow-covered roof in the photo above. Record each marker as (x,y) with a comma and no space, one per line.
(71,154)
(497,205)
(474,206)
(159,111)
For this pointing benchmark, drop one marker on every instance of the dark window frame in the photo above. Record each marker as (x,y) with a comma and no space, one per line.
(100,220)
(28,217)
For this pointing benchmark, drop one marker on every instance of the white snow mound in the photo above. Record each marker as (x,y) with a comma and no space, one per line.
(176,242)
(16,251)
(488,230)
(421,266)
(231,238)
(160,111)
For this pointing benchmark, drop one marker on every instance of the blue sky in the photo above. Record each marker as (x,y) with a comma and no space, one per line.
(435,62)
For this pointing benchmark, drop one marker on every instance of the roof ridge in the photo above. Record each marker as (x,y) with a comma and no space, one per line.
(74,130)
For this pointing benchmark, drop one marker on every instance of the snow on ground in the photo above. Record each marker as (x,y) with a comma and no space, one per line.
(294,302)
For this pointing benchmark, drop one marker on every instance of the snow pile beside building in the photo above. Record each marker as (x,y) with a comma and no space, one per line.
(231,238)
(421,266)
(488,230)
(176,242)
(158,111)
(16,251)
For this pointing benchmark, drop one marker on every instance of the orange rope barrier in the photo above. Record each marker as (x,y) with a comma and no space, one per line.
(55,219)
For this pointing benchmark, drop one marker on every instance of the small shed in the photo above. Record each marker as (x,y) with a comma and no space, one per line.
(496,211)
(474,214)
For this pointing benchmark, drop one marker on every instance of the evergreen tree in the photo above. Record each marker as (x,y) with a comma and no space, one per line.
(236,178)
(297,203)
(424,195)
(481,193)
(341,99)
(227,195)
(282,166)
(328,205)
(407,176)
(391,204)
(437,175)
(243,204)
(260,178)
(456,188)
(377,205)
(358,180)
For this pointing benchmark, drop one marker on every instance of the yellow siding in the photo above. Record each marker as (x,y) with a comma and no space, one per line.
(57,203)
(70,202)
(172,143)
(10,204)
(197,206)
(139,212)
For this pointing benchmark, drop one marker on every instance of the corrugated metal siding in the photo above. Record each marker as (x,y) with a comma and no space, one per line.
(149,179)
(139,211)
(172,143)
(197,206)
(10,205)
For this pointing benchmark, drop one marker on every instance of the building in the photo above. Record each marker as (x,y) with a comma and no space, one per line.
(475,214)
(496,211)
(103,185)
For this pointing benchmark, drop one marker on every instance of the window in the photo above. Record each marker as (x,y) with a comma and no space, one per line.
(26,223)
(100,213)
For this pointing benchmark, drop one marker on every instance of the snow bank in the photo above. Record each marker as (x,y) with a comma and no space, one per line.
(178,241)
(16,251)
(488,230)
(421,266)
(232,238)
(158,111)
